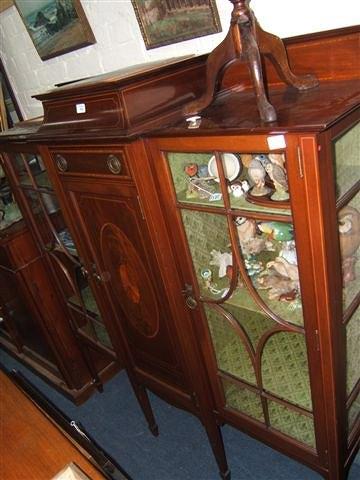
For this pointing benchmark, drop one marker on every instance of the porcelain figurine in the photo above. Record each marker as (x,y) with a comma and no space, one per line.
(263,159)
(288,252)
(284,268)
(278,176)
(278,159)
(279,231)
(191,169)
(203,170)
(246,229)
(221,260)
(245,186)
(236,190)
(257,175)
(279,287)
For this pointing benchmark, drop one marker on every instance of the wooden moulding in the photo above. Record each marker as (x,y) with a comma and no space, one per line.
(139,99)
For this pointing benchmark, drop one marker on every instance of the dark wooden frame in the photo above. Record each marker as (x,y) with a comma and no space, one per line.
(11,93)
(88,37)
(153,43)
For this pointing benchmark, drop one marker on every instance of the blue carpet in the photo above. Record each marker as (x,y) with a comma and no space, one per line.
(181,452)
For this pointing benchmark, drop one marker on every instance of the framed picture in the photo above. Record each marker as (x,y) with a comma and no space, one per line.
(55,26)
(169,21)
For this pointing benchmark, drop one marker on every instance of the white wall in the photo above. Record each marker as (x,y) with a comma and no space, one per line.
(119,41)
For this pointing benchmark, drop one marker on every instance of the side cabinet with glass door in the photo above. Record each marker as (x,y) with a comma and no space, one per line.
(21,328)
(71,278)
(340,166)
(237,212)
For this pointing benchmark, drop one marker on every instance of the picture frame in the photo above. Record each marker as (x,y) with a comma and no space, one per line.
(55,26)
(163,22)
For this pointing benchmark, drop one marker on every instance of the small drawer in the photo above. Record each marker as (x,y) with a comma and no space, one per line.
(92,163)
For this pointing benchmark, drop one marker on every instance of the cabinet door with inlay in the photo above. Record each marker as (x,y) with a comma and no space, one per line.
(122,261)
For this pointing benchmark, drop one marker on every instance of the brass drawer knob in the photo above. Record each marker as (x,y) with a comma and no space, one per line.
(113,164)
(61,163)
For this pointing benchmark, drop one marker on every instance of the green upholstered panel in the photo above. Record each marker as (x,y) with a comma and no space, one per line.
(354,413)
(292,423)
(353,351)
(242,399)
(347,160)
(231,354)
(206,232)
(255,324)
(285,368)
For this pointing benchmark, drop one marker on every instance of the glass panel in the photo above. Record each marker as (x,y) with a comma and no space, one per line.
(349,237)
(347,160)
(269,254)
(18,162)
(97,332)
(39,216)
(354,413)
(77,292)
(292,423)
(9,210)
(255,182)
(50,203)
(284,368)
(231,354)
(196,178)
(209,244)
(254,324)
(67,241)
(242,399)
(353,351)
(261,185)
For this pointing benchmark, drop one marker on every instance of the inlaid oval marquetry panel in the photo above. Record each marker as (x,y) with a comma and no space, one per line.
(130,280)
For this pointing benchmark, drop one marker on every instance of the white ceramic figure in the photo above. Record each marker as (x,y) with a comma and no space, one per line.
(221,260)
(257,174)
(236,190)
(288,252)
(284,268)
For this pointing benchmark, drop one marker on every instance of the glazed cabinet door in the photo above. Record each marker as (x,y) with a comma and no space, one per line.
(236,209)
(105,207)
(339,169)
(69,310)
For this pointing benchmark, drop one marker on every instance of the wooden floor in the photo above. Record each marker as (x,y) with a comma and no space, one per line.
(31,446)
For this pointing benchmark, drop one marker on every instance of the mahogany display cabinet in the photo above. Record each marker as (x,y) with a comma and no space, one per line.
(50,316)
(222,251)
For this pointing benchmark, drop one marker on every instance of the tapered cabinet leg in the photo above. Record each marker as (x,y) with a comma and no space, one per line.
(216,441)
(143,399)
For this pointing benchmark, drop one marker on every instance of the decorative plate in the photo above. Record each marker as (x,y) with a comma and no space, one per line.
(232,166)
